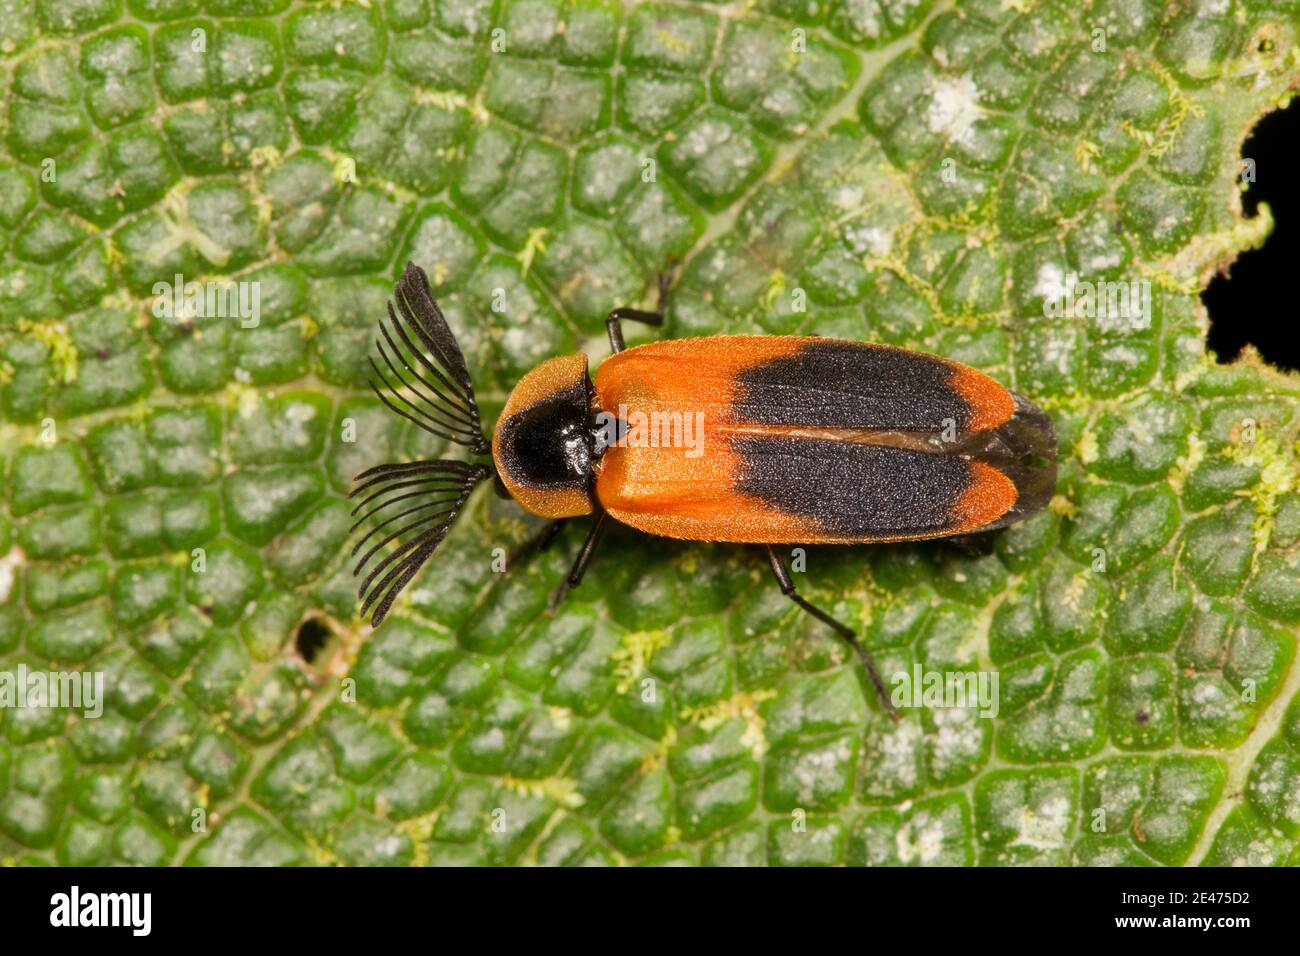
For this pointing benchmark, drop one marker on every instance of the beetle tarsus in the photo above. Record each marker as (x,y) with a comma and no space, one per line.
(790,591)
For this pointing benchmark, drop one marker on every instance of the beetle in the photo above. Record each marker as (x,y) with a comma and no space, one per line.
(749,439)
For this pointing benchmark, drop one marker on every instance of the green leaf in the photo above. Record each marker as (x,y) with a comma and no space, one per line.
(923,174)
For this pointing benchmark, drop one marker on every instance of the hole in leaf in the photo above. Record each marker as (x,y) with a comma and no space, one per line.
(313,637)
(1255,304)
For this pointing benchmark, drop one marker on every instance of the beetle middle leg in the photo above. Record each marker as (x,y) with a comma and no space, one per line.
(580,563)
(614,321)
(978,544)
(790,591)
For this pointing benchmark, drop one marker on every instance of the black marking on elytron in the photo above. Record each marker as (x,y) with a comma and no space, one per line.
(549,444)
(849,385)
(853,490)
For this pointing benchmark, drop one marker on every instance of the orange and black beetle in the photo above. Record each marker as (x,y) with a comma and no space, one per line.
(746,438)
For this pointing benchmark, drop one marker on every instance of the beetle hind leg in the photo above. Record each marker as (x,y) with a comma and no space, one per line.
(975,544)
(790,591)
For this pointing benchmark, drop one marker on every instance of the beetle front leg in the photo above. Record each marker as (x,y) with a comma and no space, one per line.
(579,565)
(538,543)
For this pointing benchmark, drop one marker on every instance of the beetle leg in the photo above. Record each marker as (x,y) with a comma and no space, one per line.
(664,283)
(789,590)
(499,487)
(538,543)
(979,544)
(550,533)
(614,322)
(579,564)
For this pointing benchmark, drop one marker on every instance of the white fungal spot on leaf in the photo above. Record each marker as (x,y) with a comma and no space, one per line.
(954,109)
